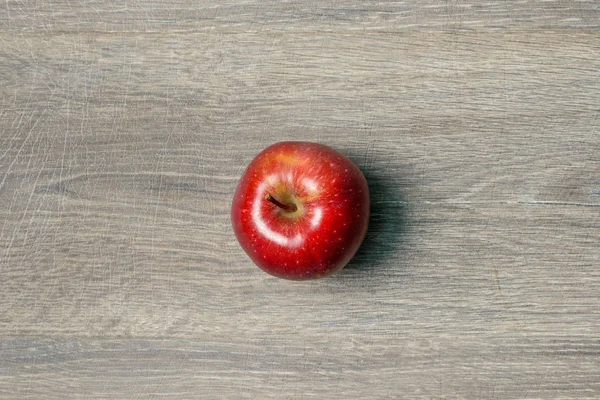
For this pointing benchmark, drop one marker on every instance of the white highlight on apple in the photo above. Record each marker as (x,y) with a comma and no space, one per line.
(271,179)
(262,227)
(310,185)
(316,218)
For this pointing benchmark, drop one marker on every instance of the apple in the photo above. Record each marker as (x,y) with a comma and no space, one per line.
(301,210)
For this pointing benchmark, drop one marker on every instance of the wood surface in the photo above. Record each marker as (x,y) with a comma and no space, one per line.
(125,127)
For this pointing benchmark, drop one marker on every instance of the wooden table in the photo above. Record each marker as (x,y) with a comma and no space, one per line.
(125,127)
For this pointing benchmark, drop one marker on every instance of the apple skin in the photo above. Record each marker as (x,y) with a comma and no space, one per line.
(330,196)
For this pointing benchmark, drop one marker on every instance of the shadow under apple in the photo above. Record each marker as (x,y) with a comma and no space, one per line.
(388,223)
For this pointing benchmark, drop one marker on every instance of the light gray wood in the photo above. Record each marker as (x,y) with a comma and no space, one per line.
(296,15)
(124,129)
(274,368)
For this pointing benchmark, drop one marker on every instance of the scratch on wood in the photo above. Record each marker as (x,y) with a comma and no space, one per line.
(498,281)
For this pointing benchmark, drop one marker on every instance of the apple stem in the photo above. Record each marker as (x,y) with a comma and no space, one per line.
(286,207)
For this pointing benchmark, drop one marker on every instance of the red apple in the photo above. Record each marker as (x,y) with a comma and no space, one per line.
(301,210)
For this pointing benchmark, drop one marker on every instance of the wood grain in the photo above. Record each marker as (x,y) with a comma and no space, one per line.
(123,131)
(296,15)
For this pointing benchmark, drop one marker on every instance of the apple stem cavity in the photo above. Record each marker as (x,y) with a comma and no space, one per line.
(286,207)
